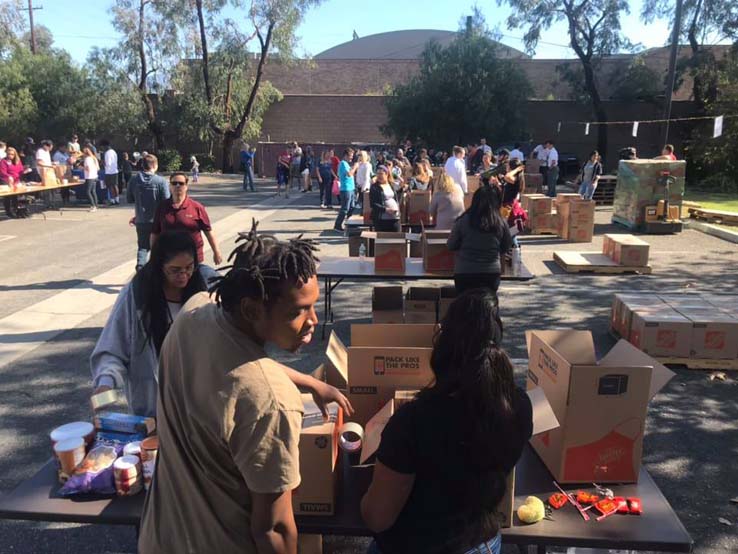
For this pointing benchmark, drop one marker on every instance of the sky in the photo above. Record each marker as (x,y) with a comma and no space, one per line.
(334,21)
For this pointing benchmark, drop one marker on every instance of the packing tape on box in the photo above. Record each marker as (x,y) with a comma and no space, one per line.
(348,443)
(103,399)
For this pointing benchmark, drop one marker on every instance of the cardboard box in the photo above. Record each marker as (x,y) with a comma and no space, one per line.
(389,255)
(674,210)
(544,420)
(403,397)
(448,295)
(651,213)
(421,304)
(309,544)
(533,181)
(581,233)
(467,200)
(575,218)
(714,334)
(437,257)
(628,303)
(544,223)
(601,406)
(381,360)
(48,176)
(371,236)
(418,210)
(629,250)
(661,331)
(564,197)
(526,198)
(318,446)
(354,245)
(366,206)
(388,304)
(533,166)
(540,205)
(684,300)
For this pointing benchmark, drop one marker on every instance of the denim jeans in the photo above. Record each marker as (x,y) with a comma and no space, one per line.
(347,206)
(248,178)
(492,546)
(143,232)
(552,175)
(92,191)
(326,188)
(587,190)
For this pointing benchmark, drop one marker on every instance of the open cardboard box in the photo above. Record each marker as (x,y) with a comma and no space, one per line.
(544,420)
(316,494)
(421,304)
(601,406)
(389,255)
(382,359)
(418,210)
(388,305)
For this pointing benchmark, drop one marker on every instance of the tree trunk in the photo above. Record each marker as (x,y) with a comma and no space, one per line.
(229,139)
(597,106)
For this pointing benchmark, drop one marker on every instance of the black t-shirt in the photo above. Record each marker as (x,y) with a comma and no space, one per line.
(511,190)
(452,504)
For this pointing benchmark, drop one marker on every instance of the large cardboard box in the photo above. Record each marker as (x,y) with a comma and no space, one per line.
(601,406)
(629,250)
(318,446)
(564,197)
(575,219)
(714,334)
(684,300)
(389,255)
(661,331)
(641,185)
(624,304)
(544,223)
(581,233)
(421,304)
(525,199)
(437,257)
(309,544)
(381,360)
(540,205)
(533,181)
(544,421)
(388,305)
(371,236)
(472,183)
(418,211)
(533,166)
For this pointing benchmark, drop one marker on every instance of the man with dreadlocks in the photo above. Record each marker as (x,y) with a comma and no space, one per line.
(229,417)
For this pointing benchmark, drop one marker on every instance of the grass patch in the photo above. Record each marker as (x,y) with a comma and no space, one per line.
(714,200)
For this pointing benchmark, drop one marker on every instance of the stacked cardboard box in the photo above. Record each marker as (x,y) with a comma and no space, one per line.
(679,326)
(388,305)
(434,250)
(316,494)
(600,405)
(533,181)
(575,218)
(627,250)
(421,304)
(418,207)
(541,216)
(366,207)
(641,185)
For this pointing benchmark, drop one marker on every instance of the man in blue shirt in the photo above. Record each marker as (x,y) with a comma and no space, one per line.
(347,187)
(247,164)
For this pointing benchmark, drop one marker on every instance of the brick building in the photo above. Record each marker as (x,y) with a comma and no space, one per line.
(336,97)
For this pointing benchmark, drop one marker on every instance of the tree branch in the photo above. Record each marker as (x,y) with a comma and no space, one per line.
(205,53)
(265,44)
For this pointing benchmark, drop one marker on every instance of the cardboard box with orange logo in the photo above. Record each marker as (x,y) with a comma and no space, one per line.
(389,255)
(418,210)
(661,331)
(600,405)
(714,333)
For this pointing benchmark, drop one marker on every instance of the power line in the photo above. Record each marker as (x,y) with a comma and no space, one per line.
(647,121)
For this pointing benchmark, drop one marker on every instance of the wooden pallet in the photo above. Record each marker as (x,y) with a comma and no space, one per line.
(594,262)
(604,194)
(714,216)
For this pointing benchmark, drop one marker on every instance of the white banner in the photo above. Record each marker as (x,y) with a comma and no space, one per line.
(635,128)
(586,129)
(718,129)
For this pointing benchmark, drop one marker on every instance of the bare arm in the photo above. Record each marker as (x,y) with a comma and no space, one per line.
(386,497)
(217,257)
(322,392)
(273,523)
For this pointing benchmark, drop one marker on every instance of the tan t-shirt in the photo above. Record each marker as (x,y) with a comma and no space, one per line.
(229,422)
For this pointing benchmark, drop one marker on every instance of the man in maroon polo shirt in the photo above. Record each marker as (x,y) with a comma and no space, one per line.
(182,213)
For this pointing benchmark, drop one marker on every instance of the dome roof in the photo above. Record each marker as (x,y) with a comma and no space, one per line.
(398,45)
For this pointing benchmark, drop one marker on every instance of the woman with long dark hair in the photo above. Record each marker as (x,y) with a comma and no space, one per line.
(444,457)
(480,237)
(127,353)
(384,202)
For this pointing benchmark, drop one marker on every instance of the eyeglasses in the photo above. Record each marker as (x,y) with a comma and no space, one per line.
(174,271)
(179,183)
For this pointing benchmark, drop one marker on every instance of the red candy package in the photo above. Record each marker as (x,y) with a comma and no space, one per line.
(622,505)
(606,506)
(587,498)
(635,506)
(557,500)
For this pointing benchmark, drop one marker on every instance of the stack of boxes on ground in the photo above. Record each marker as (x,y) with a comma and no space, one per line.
(642,187)
(690,329)
(419,305)
(620,253)
(391,250)
(533,176)
(567,216)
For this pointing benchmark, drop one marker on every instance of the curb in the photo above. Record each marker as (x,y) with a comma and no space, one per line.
(714,230)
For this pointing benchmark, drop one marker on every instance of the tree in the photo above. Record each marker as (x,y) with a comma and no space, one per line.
(232,86)
(700,19)
(462,92)
(639,83)
(12,22)
(44,39)
(594,32)
(148,51)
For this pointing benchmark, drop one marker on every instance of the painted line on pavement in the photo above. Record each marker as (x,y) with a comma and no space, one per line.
(6,237)
(29,328)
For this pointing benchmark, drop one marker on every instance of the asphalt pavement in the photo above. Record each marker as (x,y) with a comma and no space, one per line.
(691,440)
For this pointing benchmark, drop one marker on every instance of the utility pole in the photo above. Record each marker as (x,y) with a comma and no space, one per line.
(672,66)
(30,9)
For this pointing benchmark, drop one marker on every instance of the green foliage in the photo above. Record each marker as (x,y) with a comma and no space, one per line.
(640,83)
(169,160)
(712,162)
(463,92)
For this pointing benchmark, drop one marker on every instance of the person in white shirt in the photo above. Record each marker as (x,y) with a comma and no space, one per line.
(3,148)
(517,153)
(364,173)
(43,154)
(110,158)
(539,153)
(552,171)
(456,168)
(486,148)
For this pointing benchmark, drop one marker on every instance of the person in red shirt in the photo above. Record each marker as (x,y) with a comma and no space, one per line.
(11,170)
(667,153)
(182,213)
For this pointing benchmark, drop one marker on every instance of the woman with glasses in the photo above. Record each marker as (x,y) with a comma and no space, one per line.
(182,213)
(126,355)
